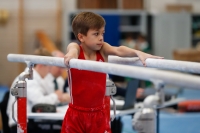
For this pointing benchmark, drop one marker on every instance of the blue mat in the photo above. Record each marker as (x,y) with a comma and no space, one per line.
(170,123)
(190,94)
(173,123)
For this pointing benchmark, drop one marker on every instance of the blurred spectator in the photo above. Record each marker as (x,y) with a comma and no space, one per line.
(37,92)
(128,41)
(121,84)
(55,79)
(141,43)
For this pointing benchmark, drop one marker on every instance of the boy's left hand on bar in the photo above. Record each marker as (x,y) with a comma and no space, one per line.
(143,56)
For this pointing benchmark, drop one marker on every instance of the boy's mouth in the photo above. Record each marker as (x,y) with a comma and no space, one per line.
(99,44)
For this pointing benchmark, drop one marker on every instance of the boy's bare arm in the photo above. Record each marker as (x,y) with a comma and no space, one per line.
(72,52)
(123,51)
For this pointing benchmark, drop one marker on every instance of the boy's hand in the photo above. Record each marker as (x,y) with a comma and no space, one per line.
(68,57)
(72,52)
(143,56)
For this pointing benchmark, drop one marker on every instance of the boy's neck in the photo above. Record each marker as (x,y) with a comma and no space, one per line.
(88,53)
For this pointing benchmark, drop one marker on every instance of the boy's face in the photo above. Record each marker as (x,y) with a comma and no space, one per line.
(93,39)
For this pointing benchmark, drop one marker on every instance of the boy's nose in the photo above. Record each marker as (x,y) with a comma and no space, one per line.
(101,38)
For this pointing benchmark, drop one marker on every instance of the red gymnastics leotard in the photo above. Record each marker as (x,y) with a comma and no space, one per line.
(86,113)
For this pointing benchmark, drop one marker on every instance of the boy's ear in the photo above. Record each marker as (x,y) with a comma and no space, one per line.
(80,37)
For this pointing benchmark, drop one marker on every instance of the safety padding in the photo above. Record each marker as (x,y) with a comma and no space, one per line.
(189,106)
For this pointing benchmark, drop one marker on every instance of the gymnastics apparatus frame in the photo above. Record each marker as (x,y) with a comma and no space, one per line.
(121,68)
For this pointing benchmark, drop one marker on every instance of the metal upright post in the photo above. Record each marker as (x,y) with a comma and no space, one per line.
(20,93)
(146,120)
(159,85)
(110,91)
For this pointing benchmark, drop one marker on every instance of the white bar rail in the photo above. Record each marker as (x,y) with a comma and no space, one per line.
(184,66)
(174,78)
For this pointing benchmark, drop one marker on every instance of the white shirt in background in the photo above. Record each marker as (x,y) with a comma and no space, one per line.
(38,91)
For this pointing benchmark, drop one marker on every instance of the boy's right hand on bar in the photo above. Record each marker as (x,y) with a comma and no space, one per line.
(68,57)
(72,52)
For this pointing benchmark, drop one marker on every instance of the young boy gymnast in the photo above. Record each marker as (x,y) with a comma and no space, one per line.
(86,113)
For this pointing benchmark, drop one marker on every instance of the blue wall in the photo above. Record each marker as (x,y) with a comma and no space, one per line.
(112,34)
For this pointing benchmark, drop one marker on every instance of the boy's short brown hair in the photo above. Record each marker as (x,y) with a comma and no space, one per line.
(84,21)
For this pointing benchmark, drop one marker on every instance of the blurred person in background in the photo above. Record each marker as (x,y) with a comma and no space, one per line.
(37,92)
(128,41)
(141,43)
(55,79)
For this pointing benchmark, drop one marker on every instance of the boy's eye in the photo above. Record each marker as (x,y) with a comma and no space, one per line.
(96,34)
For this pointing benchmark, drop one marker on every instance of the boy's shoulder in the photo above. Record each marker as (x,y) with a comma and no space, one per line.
(106,46)
(105,50)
